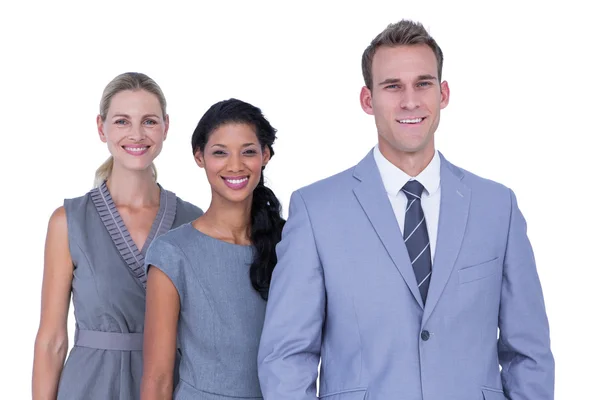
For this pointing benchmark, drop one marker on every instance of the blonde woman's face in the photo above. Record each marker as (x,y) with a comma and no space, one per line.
(134,129)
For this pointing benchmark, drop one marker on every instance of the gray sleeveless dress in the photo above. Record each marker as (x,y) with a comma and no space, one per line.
(109,291)
(221,315)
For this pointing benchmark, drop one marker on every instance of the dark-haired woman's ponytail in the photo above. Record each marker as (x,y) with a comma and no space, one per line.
(266,228)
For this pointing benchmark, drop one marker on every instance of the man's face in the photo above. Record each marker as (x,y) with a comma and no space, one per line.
(406,99)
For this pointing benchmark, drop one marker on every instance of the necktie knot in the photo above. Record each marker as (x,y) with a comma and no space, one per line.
(413,190)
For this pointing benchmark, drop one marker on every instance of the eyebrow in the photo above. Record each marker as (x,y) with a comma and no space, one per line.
(128,117)
(425,77)
(224,147)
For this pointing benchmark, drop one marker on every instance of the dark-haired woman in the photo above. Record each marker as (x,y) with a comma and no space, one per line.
(208,280)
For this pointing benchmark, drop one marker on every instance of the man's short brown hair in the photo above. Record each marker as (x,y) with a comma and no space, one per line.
(401,33)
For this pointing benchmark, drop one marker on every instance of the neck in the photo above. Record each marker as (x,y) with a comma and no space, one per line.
(230,219)
(412,163)
(133,188)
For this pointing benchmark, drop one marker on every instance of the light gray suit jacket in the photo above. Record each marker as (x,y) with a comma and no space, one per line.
(344,292)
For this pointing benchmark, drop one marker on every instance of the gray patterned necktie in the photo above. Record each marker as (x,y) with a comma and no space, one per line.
(416,237)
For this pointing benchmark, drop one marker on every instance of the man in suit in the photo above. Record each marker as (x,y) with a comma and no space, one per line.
(407,277)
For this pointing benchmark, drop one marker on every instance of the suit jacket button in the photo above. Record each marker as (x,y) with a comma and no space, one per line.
(425,335)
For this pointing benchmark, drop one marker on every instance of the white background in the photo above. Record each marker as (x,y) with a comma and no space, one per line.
(524,95)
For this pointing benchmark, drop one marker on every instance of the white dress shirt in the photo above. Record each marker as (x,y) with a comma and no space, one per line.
(394,179)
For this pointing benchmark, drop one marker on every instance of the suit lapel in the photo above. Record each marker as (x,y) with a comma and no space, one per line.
(373,199)
(454,212)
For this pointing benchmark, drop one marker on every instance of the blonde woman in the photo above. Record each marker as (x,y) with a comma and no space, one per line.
(95,248)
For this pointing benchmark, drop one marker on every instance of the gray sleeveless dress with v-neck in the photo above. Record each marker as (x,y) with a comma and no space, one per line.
(109,293)
(221,315)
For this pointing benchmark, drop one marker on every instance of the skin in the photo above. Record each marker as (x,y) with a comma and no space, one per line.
(406,86)
(233,150)
(133,118)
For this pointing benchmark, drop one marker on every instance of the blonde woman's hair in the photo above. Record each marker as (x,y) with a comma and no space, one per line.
(126,81)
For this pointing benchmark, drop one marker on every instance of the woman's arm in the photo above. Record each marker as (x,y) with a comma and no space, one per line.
(160,336)
(51,342)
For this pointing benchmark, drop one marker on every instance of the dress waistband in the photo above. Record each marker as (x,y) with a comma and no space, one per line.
(109,340)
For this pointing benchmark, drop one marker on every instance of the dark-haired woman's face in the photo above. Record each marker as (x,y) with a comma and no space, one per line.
(233,160)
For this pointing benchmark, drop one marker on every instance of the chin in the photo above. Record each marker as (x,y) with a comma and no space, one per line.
(412,144)
(234,196)
(140,168)
(408,148)
(237,199)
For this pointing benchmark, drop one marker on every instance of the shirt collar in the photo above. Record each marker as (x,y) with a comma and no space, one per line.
(394,178)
